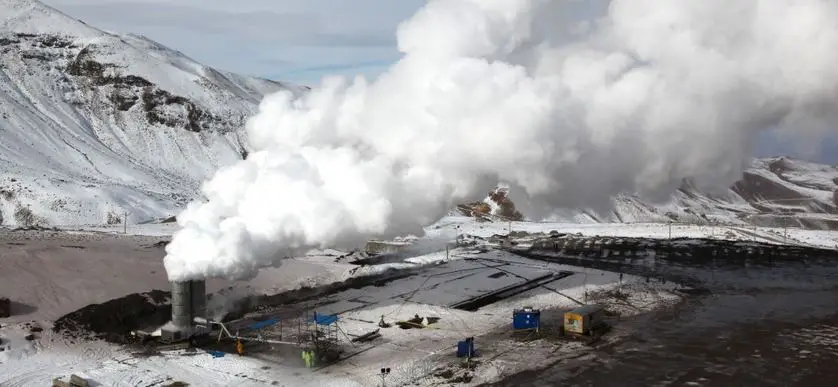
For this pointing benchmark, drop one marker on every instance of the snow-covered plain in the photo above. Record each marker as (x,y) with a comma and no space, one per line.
(774,235)
(112,265)
(453,225)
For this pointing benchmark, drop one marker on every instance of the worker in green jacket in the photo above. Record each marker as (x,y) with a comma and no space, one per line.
(308,358)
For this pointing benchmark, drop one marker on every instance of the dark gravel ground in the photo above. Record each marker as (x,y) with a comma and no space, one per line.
(771,324)
(114,320)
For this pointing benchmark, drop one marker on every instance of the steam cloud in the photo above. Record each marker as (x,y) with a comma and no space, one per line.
(569,114)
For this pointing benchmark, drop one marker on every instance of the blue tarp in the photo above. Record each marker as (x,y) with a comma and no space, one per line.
(216,353)
(263,324)
(325,319)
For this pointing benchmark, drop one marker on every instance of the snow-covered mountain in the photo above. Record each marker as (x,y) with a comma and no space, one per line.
(94,124)
(774,192)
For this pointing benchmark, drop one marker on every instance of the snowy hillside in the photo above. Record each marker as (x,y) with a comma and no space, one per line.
(94,124)
(774,192)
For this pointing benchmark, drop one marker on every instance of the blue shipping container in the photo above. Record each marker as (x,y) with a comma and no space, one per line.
(465,348)
(526,319)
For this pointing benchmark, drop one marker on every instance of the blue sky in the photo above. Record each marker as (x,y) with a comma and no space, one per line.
(292,40)
(824,152)
(296,40)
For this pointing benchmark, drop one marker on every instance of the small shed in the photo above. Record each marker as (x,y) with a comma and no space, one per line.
(583,319)
(75,381)
(374,248)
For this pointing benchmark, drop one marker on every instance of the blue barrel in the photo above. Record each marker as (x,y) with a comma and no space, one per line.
(526,319)
(465,348)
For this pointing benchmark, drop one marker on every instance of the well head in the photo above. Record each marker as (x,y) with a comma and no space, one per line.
(189,300)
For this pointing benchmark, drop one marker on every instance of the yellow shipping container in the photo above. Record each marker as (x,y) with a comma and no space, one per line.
(581,320)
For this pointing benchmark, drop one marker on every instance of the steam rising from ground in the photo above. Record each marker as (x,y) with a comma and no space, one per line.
(633,101)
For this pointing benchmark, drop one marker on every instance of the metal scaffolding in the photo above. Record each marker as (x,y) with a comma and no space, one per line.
(318,334)
(322,337)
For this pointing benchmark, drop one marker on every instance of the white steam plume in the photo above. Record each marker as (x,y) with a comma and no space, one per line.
(651,92)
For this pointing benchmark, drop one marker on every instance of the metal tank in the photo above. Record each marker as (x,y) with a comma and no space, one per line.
(181,303)
(189,301)
(198,299)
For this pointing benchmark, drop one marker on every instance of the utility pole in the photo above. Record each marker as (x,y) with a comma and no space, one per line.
(125,221)
(585,286)
(620,289)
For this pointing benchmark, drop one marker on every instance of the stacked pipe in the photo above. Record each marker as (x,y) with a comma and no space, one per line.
(189,301)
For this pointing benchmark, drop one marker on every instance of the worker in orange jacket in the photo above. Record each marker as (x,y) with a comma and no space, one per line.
(239,347)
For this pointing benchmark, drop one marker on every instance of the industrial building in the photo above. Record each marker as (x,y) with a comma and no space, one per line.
(374,248)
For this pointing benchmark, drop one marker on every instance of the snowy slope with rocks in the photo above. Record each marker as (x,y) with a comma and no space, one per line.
(94,124)
(774,192)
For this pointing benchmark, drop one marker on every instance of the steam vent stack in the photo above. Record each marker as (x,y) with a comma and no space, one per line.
(189,300)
